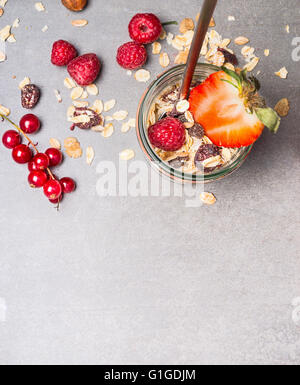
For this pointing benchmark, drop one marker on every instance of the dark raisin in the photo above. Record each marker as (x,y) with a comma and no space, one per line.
(30,96)
(229,57)
(95,119)
(206,151)
(179,161)
(197,131)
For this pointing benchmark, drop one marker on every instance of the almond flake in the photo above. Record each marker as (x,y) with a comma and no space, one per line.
(142,76)
(250,66)
(79,23)
(208,198)
(24,83)
(92,90)
(58,96)
(80,104)
(156,48)
(120,115)
(127,154)
(69,83)
(187,24)
(267,52)
(109,105)
(164,60)
(2,57)
(45,28)
(76,93)
(55,143)
(282,107)
(182,106)
(283,73)
(4,111)
(241,40)
(16,23)
(90,155)
(108,130)
(39,7)
(98,106)
(5,33)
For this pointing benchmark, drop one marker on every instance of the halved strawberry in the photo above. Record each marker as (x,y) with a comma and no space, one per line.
(230,109)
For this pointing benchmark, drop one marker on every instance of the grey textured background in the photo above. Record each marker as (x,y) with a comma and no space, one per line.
(147,280)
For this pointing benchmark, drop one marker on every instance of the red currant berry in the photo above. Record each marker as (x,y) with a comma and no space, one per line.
(41,161)
(22,154)
(52,189)
(68,185)
(37,179)
(32,167)
(30,124)
(57,200)
(55,156)
(11,139)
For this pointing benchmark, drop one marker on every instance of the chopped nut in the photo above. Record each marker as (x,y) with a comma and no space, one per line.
(4,111)
(109,105)
(267,52)
(208,198)
(98,106)
(76,93)
(282,73)
(108,130)
(24,82)
(5,33)
(127,154)
(90,155)
(73,148)
(79,23)
(142,76)
(241,40)
(182,106)
(92,90)
(164,60)
(282,107)
(250,66)
(2,56)
(187,24)
(156,48)
(55,143)
(39,7)
(58,96)
(69,83)
(120,115)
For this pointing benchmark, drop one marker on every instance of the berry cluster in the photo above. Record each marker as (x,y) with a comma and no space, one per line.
(39,164)
(144,28)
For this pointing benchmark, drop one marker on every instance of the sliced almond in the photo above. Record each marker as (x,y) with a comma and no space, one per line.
(127,154)
(4,110)
(187,24)
(109,105)
(5,33)
(108,130)
(282,73)
(164,60)
(142,76)
(39,7)
(182,106)
(76,93)
(208,198)
(98,106)
(282,107)
(58,96)
(69,83)
(250,66)
(24,82)
(79,23)
(156,48)
(90,155)
(241,40)
(92,90)
(55,143)
(2,56)
(120,115)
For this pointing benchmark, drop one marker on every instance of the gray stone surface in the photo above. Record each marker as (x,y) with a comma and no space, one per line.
(147,280)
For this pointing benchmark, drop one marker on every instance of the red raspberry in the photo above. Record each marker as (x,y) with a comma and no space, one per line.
(168,134)
(62,53)
(132,56)
(85,69)
(145,28)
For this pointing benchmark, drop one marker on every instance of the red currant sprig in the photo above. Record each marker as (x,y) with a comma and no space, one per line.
(40,175)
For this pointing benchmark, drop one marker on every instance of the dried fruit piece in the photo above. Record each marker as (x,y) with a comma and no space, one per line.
(30,95)
(55,143)
(74,5)
(1,12)
(229,57)
(79,23)
(187,24)
(142,76)
(208,198)
(93,119)
(282,107)
(241,40)
(90,155)
(127,154)
(204,152)
(196,131)
(179,160)
(282,73)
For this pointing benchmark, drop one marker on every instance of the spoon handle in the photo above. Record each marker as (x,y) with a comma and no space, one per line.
(199,37)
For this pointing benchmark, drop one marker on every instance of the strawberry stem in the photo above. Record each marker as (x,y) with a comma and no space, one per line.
(170,23)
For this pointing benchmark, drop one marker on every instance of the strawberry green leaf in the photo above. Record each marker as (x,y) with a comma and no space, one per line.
(269,118)
(233,74)
(227,81)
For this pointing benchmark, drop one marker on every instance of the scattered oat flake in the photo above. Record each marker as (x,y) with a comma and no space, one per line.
(120,115)
(45,28)
(2,3)
(39,7)
(2,56)
(109,105)
(4,111)
(142,76)
(69,83)
(182,57)
(287,28)
(231,18)
(241,40)
(90,155)
(127,154)
(97,128)
(5,33)
(208,198)
(24,82)
(163,34)
(73,148)
(267,52)
(80,104)
(132,122)
(76,93)
(55,143)
(282,107)
(187,24)
(170,38)
(218,59)
(16,23)
(84,95)
(182,106)
(98,106)
(58,96)
(70,111)
(125,127)
(156,48)
(164,60)
(108,130)
(250,66)
(79,23)
(282,73)
(92,89)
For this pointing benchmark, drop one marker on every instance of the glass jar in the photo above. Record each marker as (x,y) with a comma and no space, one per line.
(164,81)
